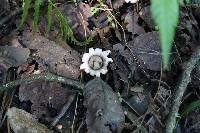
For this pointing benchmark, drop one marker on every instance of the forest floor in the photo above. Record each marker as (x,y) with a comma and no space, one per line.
(135,95)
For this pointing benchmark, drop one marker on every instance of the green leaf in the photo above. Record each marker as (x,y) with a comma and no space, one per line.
(49,18)
(66,31)
(94,10)
(165,14)
(26,5)
(189,108)
(192,106)
(36,15)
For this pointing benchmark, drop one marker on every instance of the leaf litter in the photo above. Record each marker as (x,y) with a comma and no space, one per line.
(135,77)
(60,59)
(104,113)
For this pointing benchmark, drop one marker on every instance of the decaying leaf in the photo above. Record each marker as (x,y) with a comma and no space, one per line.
(85,9)
(124,63)
(23,122)
(59,58)
(147,49)
(189,25)
(44,96)
(145,14)
(144,51)
(131,21)
(81,20)
(77,18)
(13,55)
(139,102)
(104,113)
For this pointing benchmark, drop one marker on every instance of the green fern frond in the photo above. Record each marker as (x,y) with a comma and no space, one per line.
(49,18)
(26,6)
(36,15)
(165,14)
(66,31)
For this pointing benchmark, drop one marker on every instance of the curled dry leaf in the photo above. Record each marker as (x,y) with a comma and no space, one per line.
(104,112)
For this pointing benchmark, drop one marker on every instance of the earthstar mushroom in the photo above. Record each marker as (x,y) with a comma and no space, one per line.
(95,62)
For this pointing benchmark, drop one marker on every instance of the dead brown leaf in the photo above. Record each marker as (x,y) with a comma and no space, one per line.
(62,60)
(43,95)
(145,14)
(13,55)
(147,49)
(23,122)
(131,21)
(104,113)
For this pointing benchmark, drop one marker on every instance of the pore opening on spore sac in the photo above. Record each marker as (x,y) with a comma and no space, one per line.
(96,62)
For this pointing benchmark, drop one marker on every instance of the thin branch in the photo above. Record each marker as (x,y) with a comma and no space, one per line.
(49,77)
(180,89)
(63,111)
(75,113)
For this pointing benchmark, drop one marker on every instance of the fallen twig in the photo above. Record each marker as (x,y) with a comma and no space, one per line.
(49,77)
(63,111)
(75,113)
(180,89)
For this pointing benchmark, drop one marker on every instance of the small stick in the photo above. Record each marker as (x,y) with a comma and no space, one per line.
(75,113)
(180,89)
(79,128)
(42,77)
(63,111)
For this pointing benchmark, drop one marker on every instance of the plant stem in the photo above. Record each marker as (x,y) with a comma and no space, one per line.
(180,89)
(42,77)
